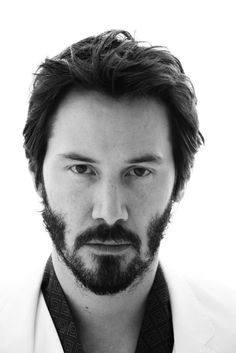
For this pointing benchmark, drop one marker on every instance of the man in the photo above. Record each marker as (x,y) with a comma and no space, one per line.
(111,136)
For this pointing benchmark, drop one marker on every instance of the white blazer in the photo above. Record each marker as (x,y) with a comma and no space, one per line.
(204,320)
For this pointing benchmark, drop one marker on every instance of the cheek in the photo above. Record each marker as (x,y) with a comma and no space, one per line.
(69,200)
(74,202)
(153,198)
(62,191)
(73,206)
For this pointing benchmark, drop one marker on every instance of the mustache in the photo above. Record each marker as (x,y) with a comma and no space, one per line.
(104,232)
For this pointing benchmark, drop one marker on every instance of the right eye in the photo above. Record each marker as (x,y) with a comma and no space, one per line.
(82,169)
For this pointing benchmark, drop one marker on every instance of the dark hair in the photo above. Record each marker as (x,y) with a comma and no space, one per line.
(115,64)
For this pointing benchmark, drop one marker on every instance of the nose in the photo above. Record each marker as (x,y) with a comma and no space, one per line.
(109,204)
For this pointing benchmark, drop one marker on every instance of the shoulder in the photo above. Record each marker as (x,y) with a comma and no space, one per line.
(15,290)
(219,304)
(218,300)
(206,305)
(212,295)
(20,300)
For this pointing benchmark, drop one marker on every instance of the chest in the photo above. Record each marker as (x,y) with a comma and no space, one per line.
(111,345)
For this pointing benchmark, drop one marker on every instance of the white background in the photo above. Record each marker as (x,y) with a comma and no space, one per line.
(202,237)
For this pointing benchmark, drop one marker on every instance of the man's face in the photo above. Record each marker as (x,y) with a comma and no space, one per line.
(108,177)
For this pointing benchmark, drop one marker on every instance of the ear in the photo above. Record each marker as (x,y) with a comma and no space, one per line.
(180,195)
(177,198)
(39,188)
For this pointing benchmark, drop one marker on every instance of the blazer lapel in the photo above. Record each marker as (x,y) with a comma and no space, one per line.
(46,337)
(192,328)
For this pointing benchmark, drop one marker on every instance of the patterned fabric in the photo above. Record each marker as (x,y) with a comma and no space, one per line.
(156,335)
(60,311)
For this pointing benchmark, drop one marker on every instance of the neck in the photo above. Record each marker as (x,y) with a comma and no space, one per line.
(123,307)
(103,319)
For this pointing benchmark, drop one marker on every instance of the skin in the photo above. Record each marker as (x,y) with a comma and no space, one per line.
(110,188)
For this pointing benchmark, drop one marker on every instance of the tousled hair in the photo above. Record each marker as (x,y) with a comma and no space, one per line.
(115,64)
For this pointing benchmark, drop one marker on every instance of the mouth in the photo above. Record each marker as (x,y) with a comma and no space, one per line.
(109,247)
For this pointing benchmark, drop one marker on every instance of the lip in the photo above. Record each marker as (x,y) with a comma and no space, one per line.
(108,248)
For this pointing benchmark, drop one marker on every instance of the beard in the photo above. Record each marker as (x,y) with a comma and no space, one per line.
(109,276)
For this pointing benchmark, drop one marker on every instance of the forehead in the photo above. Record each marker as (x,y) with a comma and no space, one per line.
(91,122)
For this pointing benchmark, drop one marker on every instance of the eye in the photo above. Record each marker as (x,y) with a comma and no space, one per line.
(139,172)
(82,169)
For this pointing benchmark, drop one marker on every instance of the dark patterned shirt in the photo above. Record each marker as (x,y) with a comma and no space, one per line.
(156,335)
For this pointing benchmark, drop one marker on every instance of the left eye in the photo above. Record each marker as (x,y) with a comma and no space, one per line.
(82,169)
(139,172)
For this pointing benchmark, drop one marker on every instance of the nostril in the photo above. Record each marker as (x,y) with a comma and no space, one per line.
(110,215)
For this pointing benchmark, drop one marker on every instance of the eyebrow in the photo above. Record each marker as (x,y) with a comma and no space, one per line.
(146,158)
(77,157)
